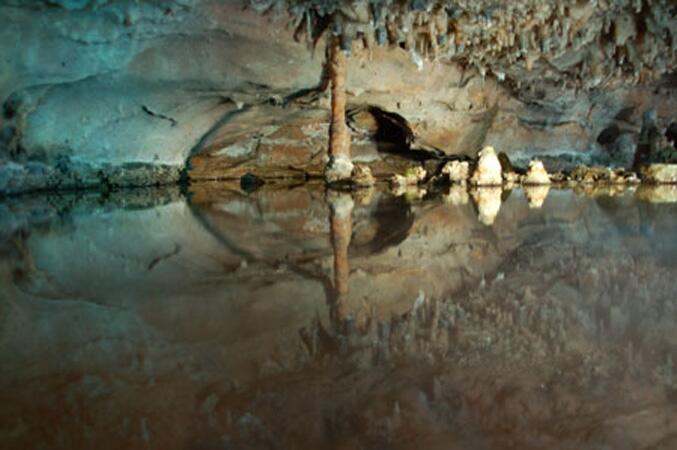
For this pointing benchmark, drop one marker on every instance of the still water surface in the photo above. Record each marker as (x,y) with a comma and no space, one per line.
(293,318)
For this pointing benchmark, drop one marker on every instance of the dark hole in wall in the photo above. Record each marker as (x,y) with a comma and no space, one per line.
(392,128)
(608,135)
(626,114)
(391,131)
(8,110)
(671,134)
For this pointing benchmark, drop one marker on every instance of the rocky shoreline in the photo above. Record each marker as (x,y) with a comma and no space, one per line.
(38,177)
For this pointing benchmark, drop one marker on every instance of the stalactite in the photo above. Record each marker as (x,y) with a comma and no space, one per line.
(505,37)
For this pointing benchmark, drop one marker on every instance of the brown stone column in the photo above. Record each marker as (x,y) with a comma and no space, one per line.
(339,167)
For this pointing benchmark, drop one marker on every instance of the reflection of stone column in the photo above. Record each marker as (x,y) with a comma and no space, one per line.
(536,195)
(341,207)
(488,202)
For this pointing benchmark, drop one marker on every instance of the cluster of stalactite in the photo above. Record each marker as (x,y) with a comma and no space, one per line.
(584,43)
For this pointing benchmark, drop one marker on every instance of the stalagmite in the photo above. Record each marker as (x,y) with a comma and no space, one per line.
(457,171)
(537,175)
(488,170)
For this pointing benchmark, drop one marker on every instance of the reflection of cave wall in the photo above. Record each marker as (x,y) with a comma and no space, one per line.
(123,92)
(575,311)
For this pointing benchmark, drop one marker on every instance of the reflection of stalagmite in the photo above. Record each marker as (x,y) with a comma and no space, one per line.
(457,195)
(536,195)
(488,202)
(657,193)
(341,207)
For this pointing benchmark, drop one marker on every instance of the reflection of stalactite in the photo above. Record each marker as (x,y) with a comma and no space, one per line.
(341,207)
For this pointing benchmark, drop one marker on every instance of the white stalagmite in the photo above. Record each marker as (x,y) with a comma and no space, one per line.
(457,171)
(488,170)
(537,175)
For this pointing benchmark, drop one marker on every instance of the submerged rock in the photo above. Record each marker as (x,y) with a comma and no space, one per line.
(488,171)
(457,171)
(537,174)
(659,173)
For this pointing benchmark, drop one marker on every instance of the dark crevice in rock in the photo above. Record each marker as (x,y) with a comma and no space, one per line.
(391,133)
(609,135)
(390,130)
(227,117)
(158,115)
(671,134)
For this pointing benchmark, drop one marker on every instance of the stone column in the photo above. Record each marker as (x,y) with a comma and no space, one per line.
(339,167)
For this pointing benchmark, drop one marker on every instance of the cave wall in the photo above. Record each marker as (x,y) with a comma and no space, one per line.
(125,92)
(107,92)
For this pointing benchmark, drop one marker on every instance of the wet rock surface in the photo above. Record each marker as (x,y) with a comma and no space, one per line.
(553,327)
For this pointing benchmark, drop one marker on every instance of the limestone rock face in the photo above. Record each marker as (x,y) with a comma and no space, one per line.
(488,170)
(537,174)
(90,89)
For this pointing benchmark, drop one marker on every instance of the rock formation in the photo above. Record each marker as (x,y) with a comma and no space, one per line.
(660,173)
(457,171)
(488,169)
(536,174)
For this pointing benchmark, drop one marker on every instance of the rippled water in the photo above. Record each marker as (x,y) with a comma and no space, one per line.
(293,318)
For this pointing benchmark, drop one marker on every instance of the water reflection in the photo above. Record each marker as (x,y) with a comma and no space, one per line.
(293,317)
(536,195)
(341,228)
